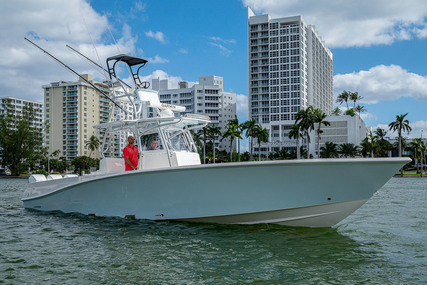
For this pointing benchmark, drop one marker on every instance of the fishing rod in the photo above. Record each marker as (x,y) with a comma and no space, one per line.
(74,72)
(96,64)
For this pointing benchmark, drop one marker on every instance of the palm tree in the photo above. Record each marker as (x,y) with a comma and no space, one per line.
(250,126)
(382,146)
(92,144)
(305,120)
(336,111)
(348,150)
(360,109)
(369,144)
(295,133)
(319,118)
(330,150)
(354,96)
(380,133)
(56,153)
(419,148)
(203,134)
(235,121)
(233,132)
(343,97)
(197,138)
(400,125)
(261,134)
(212,132)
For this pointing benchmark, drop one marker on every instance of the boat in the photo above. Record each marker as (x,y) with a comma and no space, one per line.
(171,183)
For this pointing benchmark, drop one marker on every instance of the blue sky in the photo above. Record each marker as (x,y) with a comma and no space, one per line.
(379,47)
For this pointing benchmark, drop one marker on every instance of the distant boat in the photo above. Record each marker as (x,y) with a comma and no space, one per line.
(172,184)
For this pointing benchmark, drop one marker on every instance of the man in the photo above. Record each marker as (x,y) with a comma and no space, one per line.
(153,145)
(130,153)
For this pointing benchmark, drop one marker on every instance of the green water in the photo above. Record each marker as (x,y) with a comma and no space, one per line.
(384,242)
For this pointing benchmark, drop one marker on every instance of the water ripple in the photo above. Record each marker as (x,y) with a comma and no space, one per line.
(382,243)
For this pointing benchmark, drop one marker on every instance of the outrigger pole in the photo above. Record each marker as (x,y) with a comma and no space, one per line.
(96,64)
(72,71)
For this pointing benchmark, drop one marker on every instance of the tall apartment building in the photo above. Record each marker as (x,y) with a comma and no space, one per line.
(71,111)
(18,105)
(290,68)
(205,98)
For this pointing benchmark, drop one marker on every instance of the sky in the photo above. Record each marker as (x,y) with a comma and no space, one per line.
(379,46)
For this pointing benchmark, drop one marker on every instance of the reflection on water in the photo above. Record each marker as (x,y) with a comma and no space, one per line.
(368,248)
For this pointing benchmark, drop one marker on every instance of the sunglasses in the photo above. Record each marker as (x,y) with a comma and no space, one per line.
(131,139)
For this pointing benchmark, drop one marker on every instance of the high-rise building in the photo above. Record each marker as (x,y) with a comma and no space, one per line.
(290,68)
(71,111)
(18,104)
(205,98)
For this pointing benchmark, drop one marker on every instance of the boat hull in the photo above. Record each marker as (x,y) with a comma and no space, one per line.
(312,193)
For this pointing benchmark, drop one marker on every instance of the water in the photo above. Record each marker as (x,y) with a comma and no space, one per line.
(384,242)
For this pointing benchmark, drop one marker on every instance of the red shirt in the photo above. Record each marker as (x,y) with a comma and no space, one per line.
(132,153)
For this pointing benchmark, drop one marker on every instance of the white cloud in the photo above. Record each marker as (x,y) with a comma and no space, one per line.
(52,24)
(157,59)
(418,128)
(223,50)
(221,44)
(353,23)
(183,51)
(382,83)
(218,39)
(242,106)
(368,116)
(159,36)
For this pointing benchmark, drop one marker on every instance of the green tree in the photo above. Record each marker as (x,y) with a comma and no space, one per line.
(368,145)
(399,125)
(295,133)
(56,154)
(382,146)
(319,119)
(235,121)
(343,97)
(354,96)
(350,112)
(203,134)
(250,126)
(212,132)
(348,150)
(360,109)
(336,111)
(330,150)
(83,163)
(92,144)
(419,147)
(20,140)
(261,134)
(305,120)
(197,139)
(232,132)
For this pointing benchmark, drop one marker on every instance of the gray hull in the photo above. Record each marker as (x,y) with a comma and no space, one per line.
(314,193)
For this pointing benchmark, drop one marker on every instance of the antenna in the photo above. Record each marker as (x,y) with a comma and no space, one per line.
(74,72)
(96,64)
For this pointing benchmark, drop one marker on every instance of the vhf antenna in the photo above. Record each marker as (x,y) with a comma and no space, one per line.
(72,71)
